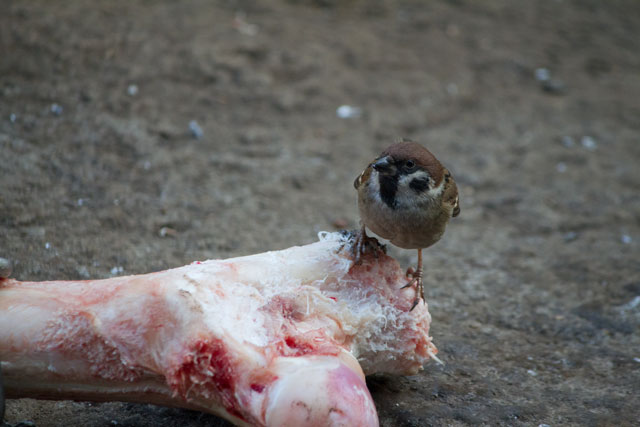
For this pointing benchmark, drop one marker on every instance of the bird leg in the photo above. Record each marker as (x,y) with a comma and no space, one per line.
(416,277)
(363,243)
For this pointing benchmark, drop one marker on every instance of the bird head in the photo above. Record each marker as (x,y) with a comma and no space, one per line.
(408,174)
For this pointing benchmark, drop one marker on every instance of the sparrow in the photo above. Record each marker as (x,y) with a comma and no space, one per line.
(407,197)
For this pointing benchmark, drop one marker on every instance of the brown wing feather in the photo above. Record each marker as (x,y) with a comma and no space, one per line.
(451,193)
(363,177)
(357,181)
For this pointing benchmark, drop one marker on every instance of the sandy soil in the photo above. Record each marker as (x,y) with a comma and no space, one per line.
(535,288)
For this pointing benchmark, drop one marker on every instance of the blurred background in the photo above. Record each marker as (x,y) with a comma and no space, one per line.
(137,136)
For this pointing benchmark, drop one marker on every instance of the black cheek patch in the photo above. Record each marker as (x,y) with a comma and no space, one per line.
(419,184)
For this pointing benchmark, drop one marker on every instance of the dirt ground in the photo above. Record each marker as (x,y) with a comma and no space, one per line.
(533,106)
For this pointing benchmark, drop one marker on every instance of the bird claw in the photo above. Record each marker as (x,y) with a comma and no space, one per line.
(362,244)
(410,272)
(416,277)
(412,281)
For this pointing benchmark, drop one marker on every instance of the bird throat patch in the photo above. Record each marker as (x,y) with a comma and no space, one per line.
(388,189)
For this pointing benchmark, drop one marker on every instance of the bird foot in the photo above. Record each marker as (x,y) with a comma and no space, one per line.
(361,244)
(416,278)
(410,274)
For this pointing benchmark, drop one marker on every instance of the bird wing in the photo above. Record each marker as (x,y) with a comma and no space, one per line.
(451,193)
(364,175)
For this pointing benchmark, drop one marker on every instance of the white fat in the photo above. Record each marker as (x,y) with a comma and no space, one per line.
(314,278)
(252,282)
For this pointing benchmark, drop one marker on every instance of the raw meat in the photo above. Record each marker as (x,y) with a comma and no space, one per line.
(278,338)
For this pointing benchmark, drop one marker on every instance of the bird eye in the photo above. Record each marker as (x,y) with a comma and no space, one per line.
(410,164)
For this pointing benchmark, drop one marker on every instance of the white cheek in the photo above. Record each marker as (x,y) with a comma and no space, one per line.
(405,180)
(405,196)
(437,191)
(374,186)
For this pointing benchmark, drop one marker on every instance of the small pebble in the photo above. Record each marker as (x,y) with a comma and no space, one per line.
(47,245)
(626,239)
(561,167)
(132,90)
(636,359)
(532,372)
(116,270)
(544,425)
(83,271)
(80,202)
(568,141)
(5,268)
(553,86)
(196,130)
(588,142)
(13,118)
(631,304)
(56,109)
(348,112)
(167,231)
(542,74)
(452,30)
(240,23)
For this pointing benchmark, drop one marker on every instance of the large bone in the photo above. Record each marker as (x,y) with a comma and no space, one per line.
(270,339)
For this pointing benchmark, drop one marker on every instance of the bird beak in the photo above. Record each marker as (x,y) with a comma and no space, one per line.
(383,165)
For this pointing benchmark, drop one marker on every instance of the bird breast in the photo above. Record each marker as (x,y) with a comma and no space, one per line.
(409,225)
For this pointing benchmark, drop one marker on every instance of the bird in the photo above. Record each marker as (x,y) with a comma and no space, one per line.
(407,197)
